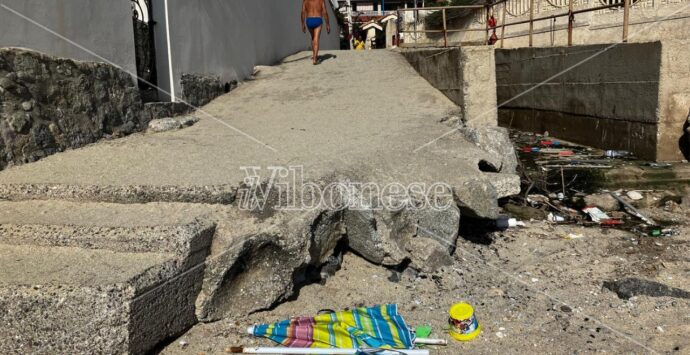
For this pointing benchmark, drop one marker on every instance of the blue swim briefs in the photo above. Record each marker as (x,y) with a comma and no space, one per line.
(314,22)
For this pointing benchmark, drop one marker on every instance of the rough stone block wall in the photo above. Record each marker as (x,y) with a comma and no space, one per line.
(611,97)
(466,76)
(51,104)
(198,90)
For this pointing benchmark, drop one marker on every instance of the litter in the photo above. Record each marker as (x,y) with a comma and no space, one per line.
(463,322)
(573,236)
(632,210)
(634,195)
(427,341)
(659,165)
(537,199)
(596,214)
(555,218)
(616,153)
(344,330)
(423,331)
(611,222)
(666,232)
(550,143)
(505,223)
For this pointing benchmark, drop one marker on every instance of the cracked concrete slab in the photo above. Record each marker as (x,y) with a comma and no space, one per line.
(66,299)
(160,211)
(308,117)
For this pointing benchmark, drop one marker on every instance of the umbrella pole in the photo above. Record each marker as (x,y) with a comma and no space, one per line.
(317,351)
(428,341)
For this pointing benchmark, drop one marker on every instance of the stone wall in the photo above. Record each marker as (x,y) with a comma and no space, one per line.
(627,97)
(198,90)
(51,104)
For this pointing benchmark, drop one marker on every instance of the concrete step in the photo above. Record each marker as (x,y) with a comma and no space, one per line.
(181,229)
(74,300)
(98,278)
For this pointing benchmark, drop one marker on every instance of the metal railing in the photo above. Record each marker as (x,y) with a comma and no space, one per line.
(626,4)
(373,13)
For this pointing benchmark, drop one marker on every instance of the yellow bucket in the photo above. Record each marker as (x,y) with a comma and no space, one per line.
(463,323)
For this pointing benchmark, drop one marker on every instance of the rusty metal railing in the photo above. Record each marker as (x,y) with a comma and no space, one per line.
(489,6)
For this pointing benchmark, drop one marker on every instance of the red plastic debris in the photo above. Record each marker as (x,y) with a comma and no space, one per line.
(611,222)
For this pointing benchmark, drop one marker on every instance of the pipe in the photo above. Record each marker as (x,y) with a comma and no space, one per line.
(317,351)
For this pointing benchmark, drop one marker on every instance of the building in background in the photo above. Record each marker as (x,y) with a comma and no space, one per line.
(378,7)
(168,38)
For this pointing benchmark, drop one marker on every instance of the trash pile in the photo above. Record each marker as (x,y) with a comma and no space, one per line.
(548,154)
(561,184)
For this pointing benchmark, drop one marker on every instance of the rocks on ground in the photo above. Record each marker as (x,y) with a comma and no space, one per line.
(604,201)
(631,287)
(171,123)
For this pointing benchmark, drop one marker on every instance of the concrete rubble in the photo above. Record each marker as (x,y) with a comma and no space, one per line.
(171,123)
(165,210)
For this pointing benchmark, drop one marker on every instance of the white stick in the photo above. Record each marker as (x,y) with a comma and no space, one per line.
(428,341)
(316,351)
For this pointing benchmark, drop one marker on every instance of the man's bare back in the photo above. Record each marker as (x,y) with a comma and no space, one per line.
(314,14)
(315,8)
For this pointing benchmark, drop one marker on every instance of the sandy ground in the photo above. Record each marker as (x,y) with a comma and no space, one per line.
(533,290)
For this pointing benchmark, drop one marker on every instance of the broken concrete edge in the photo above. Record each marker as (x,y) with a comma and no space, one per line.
(496,185)
(138,311)
(241,267)
(183,240)
(128,317)
(219,194)
(466,75)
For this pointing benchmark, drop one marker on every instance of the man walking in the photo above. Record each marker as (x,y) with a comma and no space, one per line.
(314,13)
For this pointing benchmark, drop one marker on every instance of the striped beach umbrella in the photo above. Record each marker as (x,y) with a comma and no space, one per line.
(380,327)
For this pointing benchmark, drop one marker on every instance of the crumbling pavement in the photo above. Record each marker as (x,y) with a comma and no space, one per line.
(163,210)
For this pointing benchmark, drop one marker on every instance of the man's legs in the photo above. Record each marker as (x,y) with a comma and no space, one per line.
(315,37)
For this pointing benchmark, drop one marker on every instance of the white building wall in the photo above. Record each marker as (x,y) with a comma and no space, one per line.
(103,27)
(227,38)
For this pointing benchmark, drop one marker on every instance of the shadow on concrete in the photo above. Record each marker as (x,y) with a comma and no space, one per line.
(684,141)
(296,59)
(325,57)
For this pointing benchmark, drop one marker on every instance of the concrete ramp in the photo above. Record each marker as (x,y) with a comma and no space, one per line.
(119,245)
(368,115)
